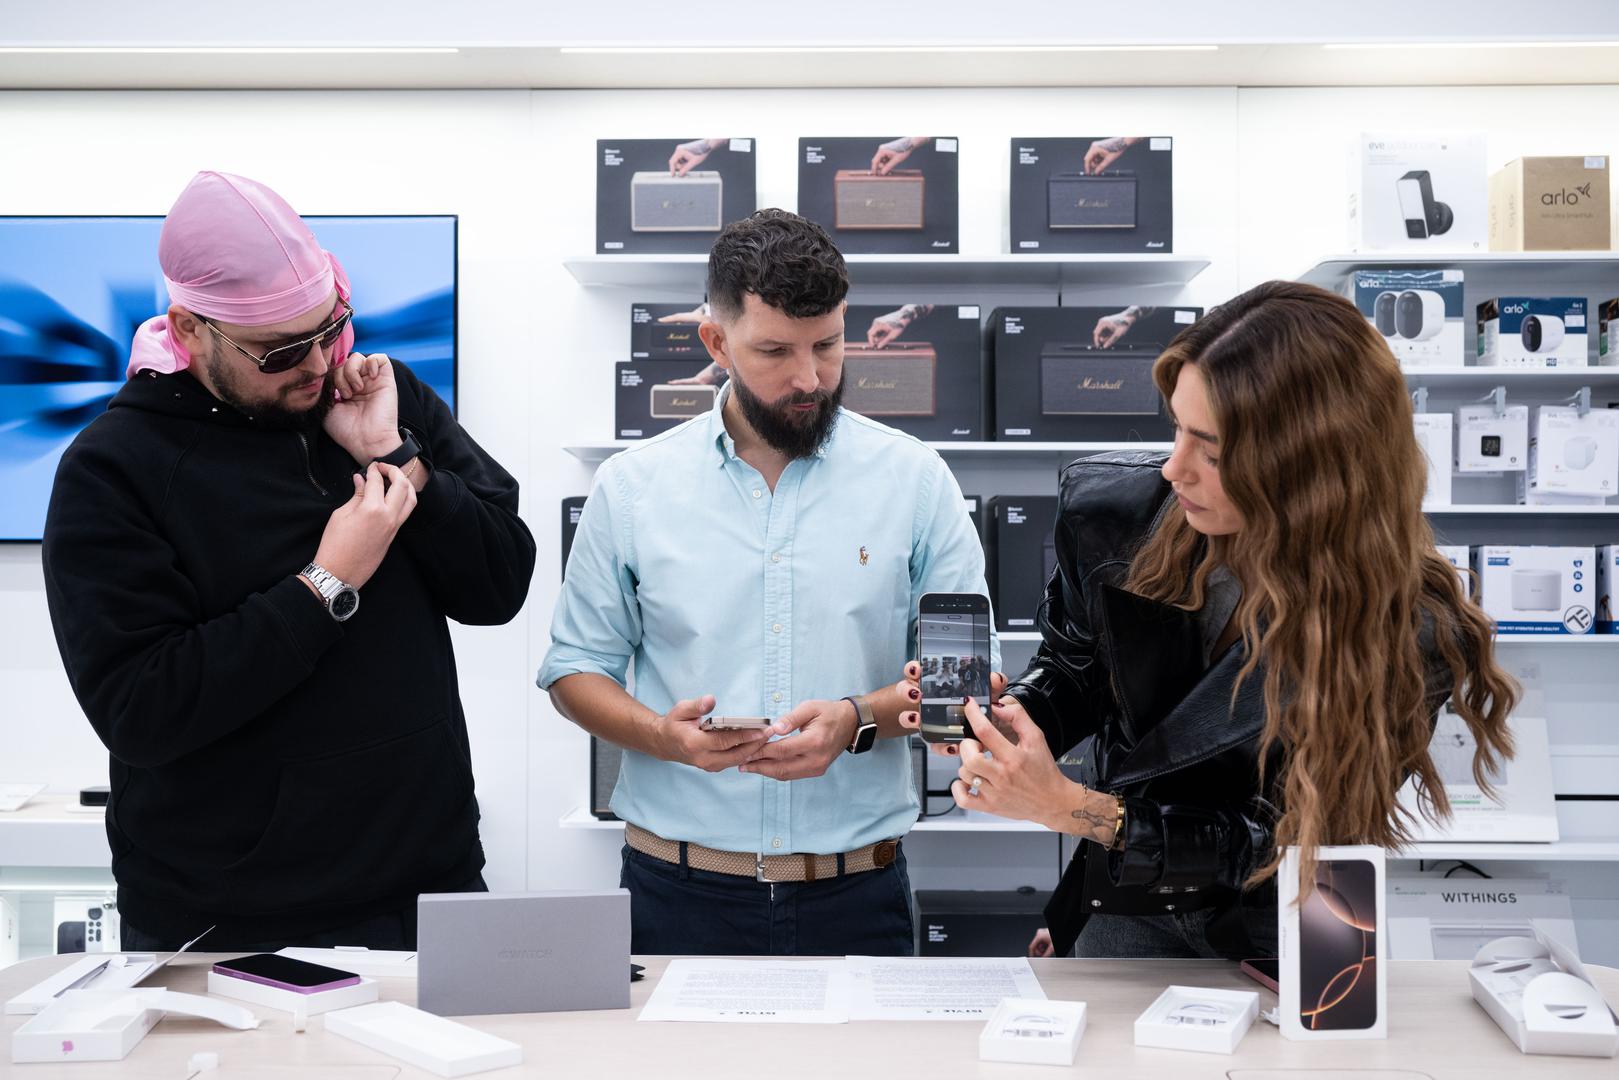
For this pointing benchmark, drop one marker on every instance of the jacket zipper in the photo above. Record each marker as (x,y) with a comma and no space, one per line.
(309,468)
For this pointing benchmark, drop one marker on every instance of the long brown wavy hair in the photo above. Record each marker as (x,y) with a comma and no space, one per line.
(1337,564)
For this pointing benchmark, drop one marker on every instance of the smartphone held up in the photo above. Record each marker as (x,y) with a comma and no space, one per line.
(953,652)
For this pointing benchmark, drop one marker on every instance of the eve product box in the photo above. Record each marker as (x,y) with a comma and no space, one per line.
(442,1047)
(1551,204)
(1434,434)
(1532,332)
(1570,454)
(927,379)
(1092,194)
(1033,1031)
(666,332)
(1416,192)
(645,205)
(1022,555)
(312,1004)
(1529,497)
(482,953)
(1607,584)
(877,197)
(1418,312)
(105,1025)
(970,922)
(1608,333)
(647,399)
(572,507)
(1331,949)
(1082,374)
(1539,993)
(1196,1018)
(1523,807)
(1537,590)
(1491,442)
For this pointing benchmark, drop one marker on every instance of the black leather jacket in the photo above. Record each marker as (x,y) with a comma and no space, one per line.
(1128,674)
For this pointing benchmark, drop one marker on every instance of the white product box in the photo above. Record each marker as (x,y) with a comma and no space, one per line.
(1461,557)
(1433,918)
(1537,590)
(105,1025)
(1538,992)
(1533,332)
(1418,192)
(1490,443)
(344,997)
(1527,496)
(97,973)
(1607,582)
(1338,927)
(1419,313)
(1523,805)
(16,795)
(1033,1031)
(375,963)
(440,1046)
(1194,1018)
(1434,437)
(1608,333)
(1570,454)
(8,933)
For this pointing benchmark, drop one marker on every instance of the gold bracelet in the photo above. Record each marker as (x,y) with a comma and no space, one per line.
(1118,827)
(411,466)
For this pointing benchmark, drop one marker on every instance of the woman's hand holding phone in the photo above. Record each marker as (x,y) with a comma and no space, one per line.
(910,690)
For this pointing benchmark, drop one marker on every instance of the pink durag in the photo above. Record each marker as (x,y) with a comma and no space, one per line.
(233,250)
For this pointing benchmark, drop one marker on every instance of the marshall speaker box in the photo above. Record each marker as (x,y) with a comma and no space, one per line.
(896,380)
(970,923)
(674,341)
(1104,201)
(681,402)
(572,507)
(604,762)
(864,200)
(1081,380)
(1021,557)
(647,401)
(663,203)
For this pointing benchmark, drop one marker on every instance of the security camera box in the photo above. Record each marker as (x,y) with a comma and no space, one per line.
(647,401)
(1434,434)
(1532,332)
(1022,555)
(666,331)
(1418,193)
(1607,583)
(1062,203)
(928,380)
(1570,454)
(1068,374)
(1418,312)
(1608,333)
(1537,590)
(1551,204)
(644,208)
(911,209)
(1491,442)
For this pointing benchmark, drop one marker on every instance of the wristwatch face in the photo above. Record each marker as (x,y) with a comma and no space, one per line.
(344,604)
(865,737)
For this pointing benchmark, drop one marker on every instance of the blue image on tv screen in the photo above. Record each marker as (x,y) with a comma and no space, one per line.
(74,289)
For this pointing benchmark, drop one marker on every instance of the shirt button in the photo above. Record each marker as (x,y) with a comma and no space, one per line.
(776,696)
(776,628)
(776,557)
(757,494)
(776,842)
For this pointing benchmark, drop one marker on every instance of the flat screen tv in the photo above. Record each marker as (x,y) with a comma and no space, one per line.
(73,290)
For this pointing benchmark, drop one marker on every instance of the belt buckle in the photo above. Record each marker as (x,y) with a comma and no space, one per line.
(759,871)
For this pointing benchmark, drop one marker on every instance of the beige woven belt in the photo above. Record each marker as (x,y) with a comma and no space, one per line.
(805,867)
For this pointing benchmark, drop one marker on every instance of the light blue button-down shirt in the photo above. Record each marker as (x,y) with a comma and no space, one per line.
(686,562)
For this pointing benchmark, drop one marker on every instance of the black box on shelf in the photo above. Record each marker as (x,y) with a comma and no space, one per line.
(927,378)
(961,922)
(975,511)
(1081,374)
(872,203)
(669,196)
(1097,194)
(1021,556)
(666,332)
(604,762)
(572,507)
(647,399)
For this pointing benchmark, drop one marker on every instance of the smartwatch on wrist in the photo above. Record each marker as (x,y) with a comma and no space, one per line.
(408,449)
(865,728)
(342,600)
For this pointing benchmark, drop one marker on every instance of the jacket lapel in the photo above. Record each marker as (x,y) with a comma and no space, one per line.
(1203,725)
(1155,654)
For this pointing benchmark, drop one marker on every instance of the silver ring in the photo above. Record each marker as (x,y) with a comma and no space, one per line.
(973,788)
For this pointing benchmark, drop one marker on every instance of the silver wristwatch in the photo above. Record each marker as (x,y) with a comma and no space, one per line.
(342,599)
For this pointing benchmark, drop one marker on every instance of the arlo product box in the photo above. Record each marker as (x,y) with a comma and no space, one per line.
(1607,585)
(670,196)
(1331,946)
(1196,1018)
(1100,193)
(650,396)
(1033,1031)
(1532,332)
(1082,373)
(1418,312)
(1537,590)
(1418,193)
(1551,204)
(1570,454)
(884,195)
(918,367)
(1434,432)
(1538,992)
(1608,333)
(1488,441)
(1022,555)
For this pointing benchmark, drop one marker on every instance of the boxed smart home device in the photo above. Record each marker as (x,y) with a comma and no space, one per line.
(1461,557)
(1198,1018)
(669,196)
(1434,432)
(1570,454)
(1082,374)
(1490,440)
(1551,204)
(1418,193)
(1608,333)
(1418,312)
(1022,555)
(1541,996)
(1607,583)
(919,367)
(1537,590)
(1331,945)
(1033,1031)
(1091,194)
(1528,496)
(1532,332)
(652,396)
(885,195)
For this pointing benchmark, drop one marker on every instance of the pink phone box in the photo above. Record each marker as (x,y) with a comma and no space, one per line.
(266,977)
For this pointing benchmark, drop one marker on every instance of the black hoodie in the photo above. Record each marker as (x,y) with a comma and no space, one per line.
(273,771)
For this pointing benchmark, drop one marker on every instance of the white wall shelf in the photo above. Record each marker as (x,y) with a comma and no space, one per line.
(596,453)
(1561,641)
(1041,271)
(1511,510)
(1535,381)
(1511,271)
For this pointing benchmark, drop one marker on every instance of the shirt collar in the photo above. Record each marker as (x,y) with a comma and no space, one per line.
(725,446)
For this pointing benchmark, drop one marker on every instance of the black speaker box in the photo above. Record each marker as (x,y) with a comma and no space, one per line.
(971,923)
(1021,556)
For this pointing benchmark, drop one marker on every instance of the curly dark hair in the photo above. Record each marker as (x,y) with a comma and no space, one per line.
(786,261)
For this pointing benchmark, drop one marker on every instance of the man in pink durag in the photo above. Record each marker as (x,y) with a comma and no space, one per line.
(289,765)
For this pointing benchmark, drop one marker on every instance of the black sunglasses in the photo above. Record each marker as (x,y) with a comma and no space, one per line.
(288,356)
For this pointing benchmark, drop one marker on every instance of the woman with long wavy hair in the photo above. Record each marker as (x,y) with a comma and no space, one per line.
(1254,632)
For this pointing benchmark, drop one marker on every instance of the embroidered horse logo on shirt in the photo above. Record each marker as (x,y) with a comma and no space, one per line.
(865,556)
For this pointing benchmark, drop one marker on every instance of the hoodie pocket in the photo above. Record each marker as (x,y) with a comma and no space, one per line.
(378,821)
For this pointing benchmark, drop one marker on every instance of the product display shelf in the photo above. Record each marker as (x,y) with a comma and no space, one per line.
(686,272)
(595,454)
(1541,273)
(1513,510)
(1539,383)
(1561,641)
(580,818)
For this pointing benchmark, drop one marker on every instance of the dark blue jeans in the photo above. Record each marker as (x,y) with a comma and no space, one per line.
(675,910)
